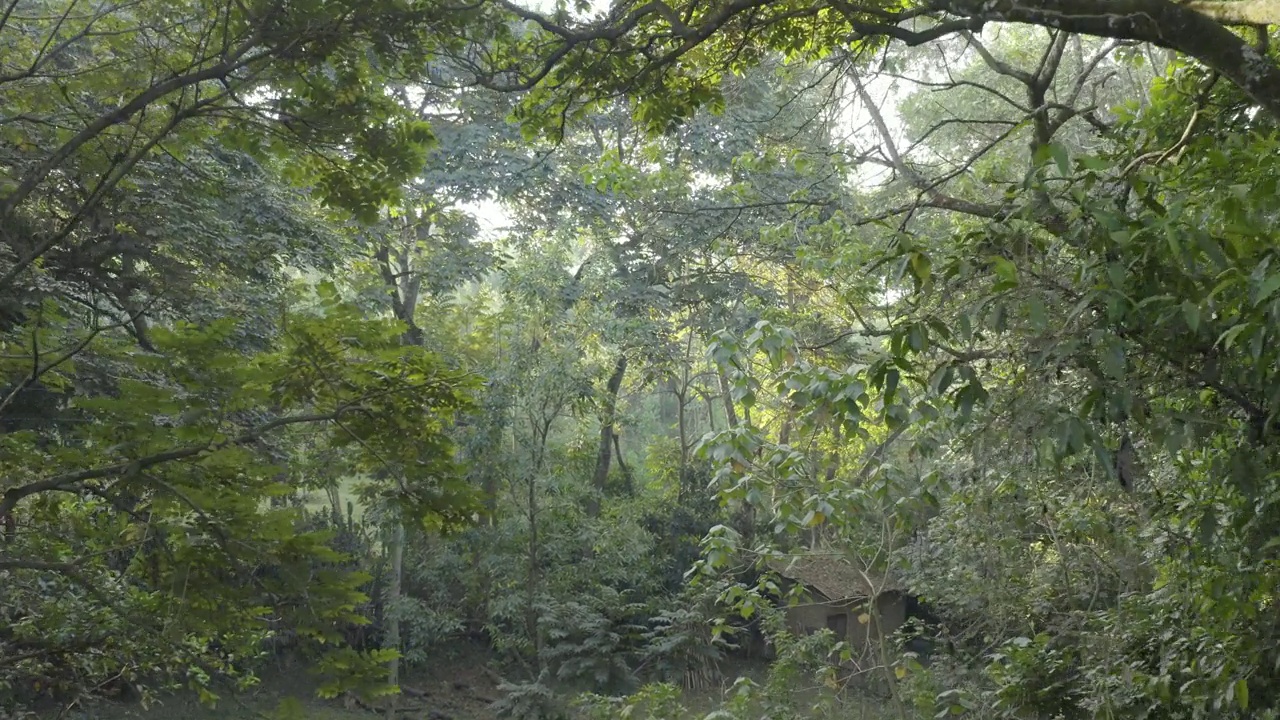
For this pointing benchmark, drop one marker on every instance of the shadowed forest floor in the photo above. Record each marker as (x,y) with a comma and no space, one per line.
(459,692)
(459,689)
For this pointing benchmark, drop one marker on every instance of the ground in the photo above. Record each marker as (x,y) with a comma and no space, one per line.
(459,691)
(458,687)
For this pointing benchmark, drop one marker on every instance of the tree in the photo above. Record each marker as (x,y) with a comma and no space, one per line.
(151,159)
(1006,290)
(163,486)
(988,313)
(644,49)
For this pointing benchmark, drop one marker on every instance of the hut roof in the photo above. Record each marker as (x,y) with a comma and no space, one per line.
(832,575)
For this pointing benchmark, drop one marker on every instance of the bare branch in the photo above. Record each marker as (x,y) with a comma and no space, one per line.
(1159,22)
(999,66)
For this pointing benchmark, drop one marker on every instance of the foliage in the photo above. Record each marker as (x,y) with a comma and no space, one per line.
(687,643)
(801,683)
(169,481)
(529,701)
(989,316)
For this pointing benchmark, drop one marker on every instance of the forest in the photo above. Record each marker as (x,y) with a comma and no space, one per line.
(665,360)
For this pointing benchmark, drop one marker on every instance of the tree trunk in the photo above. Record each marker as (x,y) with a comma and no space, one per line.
(490,488)
(730,412)
(393,599)
(670,388)
(604,456)
(680,391)
(622,465)
(403,285)
(541,431)
(683,438)
(745,517)
(531,582)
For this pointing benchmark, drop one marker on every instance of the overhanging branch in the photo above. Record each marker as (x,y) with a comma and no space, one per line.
(14,495)
(1159,22)
(1196,29)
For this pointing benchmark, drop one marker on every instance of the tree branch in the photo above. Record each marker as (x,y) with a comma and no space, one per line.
(14,495)
(1159,22)
(1239,12)
(1195,29)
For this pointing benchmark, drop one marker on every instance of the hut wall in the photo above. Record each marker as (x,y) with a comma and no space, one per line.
(812,617)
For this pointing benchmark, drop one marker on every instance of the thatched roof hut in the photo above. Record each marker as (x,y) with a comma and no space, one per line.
(842,597)
(832,575)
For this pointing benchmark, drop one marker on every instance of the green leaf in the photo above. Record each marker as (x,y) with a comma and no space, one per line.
(1093,162)
(1191,313)
(1037,313)
(1113,359)
(1060,157)
(1267,288)
(1228,338)
(891,379)
(1212,249)
(942,378)
(921,269)
(1006,272)
(917,338)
